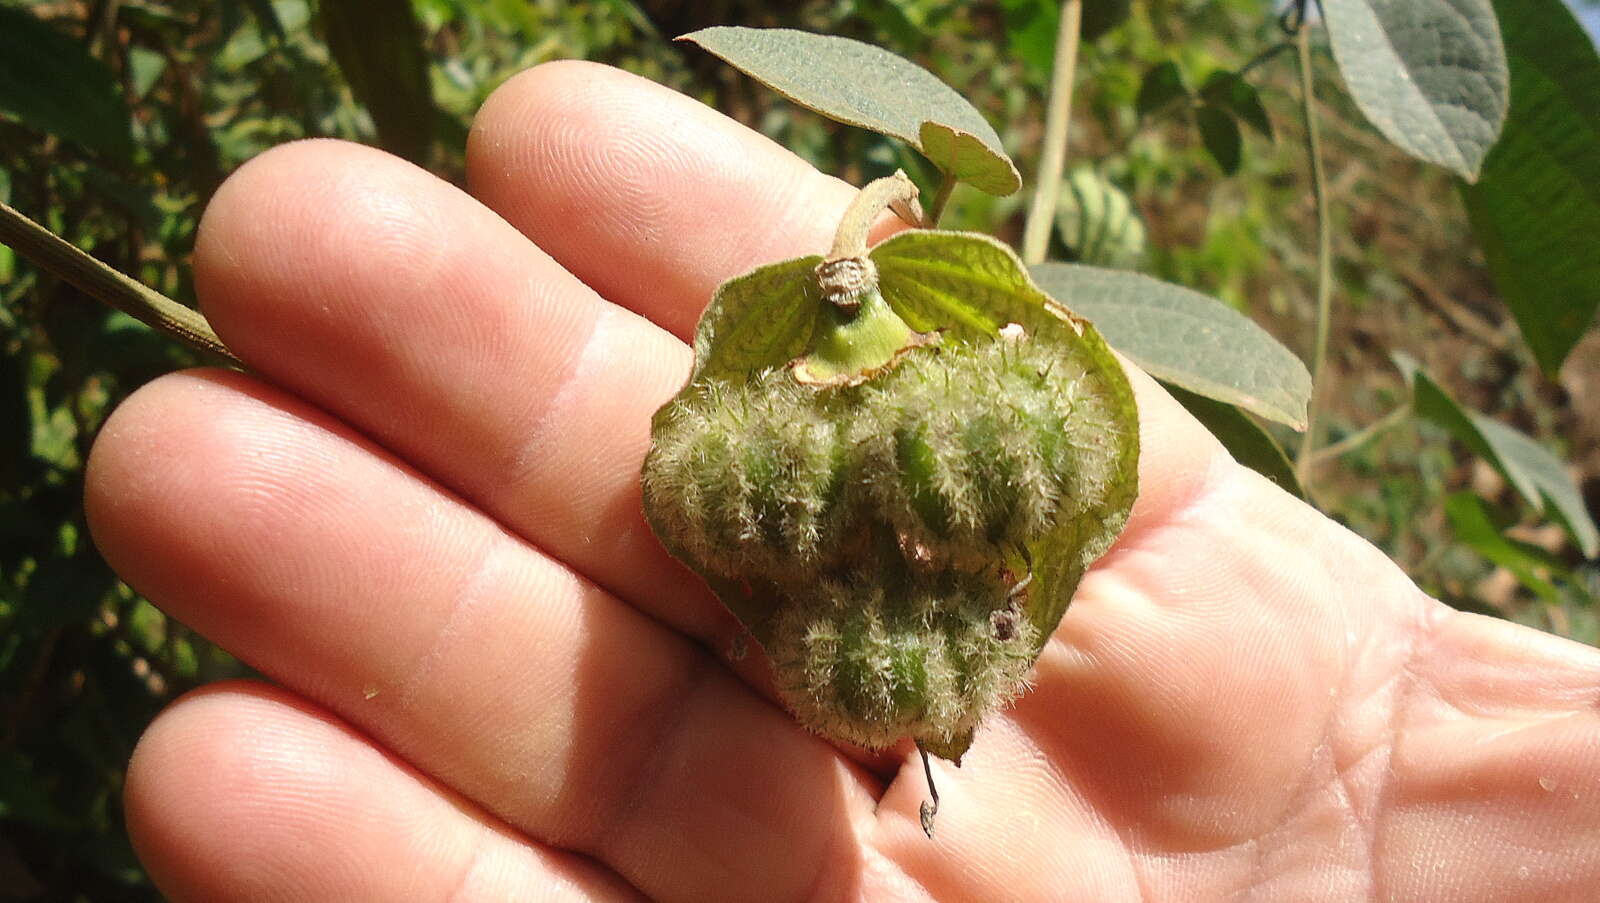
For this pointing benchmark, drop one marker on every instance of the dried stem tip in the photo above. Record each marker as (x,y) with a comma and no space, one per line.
(896,192)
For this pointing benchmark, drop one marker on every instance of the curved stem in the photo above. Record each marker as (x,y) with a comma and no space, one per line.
(1319,187)
(1263,58)
(1042,214)
(947,184)
(1361,437)
(896,192)
(60,257)
(928,810)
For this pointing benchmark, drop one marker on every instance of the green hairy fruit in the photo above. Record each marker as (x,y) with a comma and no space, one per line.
(962,453)
(894,466)
(927,481)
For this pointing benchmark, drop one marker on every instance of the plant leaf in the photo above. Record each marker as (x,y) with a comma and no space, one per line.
(1162,85)
(1536,209)
(267,19)
(1221,137)
(1249,444)
(1538,476)
(761,319)
(1031,31)
(1429,74)
(378,46)
(49,83)
(1100,16)
(1098,221)
(1473,525)
(866,86)
(1031,26)
(1181,336)
(1232,93)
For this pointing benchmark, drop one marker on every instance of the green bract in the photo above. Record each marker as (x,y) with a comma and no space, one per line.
(895,474)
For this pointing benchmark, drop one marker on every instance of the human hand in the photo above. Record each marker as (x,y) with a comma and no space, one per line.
(419,515)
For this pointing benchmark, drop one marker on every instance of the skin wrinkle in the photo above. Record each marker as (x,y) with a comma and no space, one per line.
(1344,794)
(527,461)
(1325,752)
(465,603)
(1095,810)
(476,848)
(1408,684)
(667,732)
(669,711)
(1207,492)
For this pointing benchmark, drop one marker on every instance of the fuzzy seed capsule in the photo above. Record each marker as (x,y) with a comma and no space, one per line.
(889,520)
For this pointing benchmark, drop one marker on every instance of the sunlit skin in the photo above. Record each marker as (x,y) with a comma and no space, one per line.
(419,516)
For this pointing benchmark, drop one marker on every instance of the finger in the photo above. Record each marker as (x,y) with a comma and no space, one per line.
(344,575)
(407,309)
(647,195)
(243,792)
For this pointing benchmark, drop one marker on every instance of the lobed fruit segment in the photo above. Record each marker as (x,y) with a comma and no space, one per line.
(926,658)
(890,519)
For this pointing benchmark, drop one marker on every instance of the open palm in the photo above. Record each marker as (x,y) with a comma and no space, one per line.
(419,515)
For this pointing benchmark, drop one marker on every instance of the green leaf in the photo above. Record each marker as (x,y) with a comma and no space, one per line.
(866,86)
(1473,525)
(1247,442)
(963,283)
(1181,336)
(1221,137)
(49,83)
(1100,16)
(1536,209)
(1098,221)
(1162,85)
(378,46)
(1429,74)
(267,19)
(764,318)
(1538,476)
(1232,93)
(1031,27)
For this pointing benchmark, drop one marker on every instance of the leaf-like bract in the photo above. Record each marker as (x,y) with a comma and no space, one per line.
(761,319)
(1098,221)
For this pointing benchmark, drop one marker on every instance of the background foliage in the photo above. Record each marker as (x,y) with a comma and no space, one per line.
(138,109)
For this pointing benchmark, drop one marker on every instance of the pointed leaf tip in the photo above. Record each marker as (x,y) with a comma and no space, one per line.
(869,87)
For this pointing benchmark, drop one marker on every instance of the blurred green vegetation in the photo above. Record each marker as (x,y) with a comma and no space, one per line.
(204,86)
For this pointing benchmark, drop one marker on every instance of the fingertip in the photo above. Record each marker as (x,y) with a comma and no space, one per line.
(132,458)
(197,796)
(645,194)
